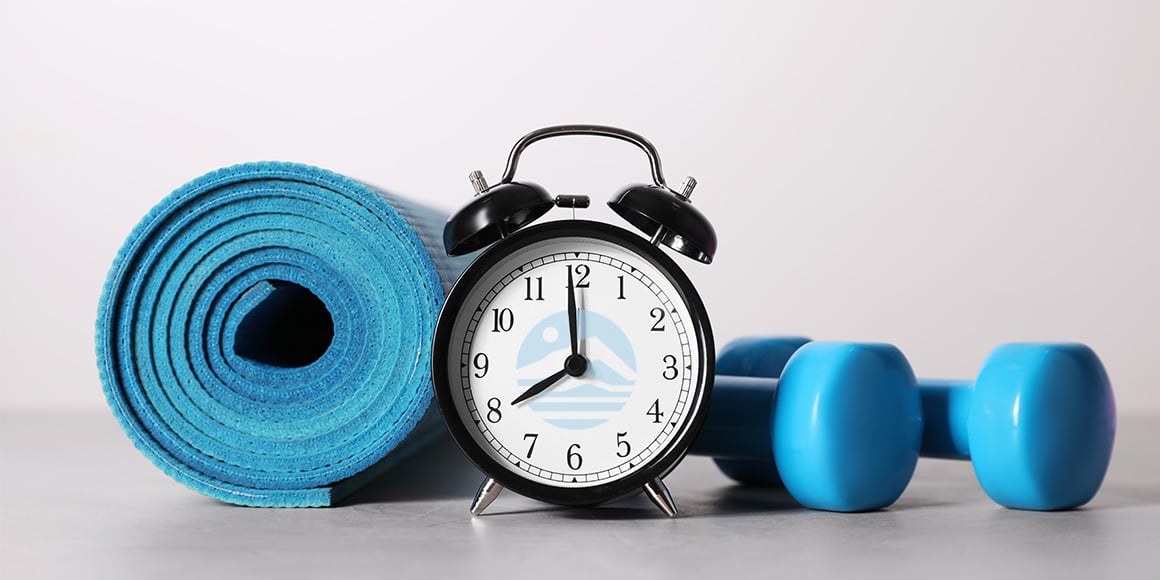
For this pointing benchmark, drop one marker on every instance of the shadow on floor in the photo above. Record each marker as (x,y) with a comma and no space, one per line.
(727,501)
(438,471)
(732,500)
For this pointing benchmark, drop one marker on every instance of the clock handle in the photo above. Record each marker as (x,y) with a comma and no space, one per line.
(595,130)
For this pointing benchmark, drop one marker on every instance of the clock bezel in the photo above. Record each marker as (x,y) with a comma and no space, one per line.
(663,462)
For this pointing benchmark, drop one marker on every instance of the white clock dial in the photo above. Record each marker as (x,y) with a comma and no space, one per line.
(641,381)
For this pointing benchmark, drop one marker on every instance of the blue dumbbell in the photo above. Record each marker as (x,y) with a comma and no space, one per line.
(846,422)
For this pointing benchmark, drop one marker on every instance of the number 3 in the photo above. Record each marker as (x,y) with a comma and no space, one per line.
(671,371)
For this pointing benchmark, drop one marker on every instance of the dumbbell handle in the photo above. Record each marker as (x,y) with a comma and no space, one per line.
(739,424)
(945,404)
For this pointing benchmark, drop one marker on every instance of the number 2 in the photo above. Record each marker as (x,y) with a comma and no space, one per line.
(657,314)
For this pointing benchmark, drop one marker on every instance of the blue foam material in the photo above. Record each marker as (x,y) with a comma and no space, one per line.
(264,333)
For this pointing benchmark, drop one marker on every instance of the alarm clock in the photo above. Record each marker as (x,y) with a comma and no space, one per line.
(573,360)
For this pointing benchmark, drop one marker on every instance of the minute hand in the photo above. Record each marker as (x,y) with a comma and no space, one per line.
(540,386)
(572,314)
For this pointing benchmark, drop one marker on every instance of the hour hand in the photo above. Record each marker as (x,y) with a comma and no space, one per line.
(540,386)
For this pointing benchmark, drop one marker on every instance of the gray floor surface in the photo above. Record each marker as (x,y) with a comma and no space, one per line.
(78,501)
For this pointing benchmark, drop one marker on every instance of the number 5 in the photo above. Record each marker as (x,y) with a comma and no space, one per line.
(622,444)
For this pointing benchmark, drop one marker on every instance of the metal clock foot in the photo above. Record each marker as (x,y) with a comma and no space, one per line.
(659,494)
(488,491)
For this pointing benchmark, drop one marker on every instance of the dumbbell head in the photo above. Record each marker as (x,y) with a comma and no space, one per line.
(847,425)
(844,421)
(1040,425)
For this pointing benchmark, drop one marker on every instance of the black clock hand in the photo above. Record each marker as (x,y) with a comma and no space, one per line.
(540,386)
(574,365)
(572,314)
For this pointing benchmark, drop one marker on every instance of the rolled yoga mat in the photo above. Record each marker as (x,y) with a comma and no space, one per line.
(263,335)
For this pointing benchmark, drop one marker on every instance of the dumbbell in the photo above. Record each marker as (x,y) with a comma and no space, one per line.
(843,426)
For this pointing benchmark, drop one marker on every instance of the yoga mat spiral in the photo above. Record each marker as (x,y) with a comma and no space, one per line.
(264,333)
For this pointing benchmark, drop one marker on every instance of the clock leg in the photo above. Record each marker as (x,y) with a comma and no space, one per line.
(659,494)
(488,490)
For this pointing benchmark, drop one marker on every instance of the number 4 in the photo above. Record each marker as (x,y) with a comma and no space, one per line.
(655,411)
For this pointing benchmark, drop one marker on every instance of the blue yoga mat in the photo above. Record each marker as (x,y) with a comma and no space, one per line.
(263,335)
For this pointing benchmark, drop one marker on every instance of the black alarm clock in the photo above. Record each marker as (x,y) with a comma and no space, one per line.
(573,360)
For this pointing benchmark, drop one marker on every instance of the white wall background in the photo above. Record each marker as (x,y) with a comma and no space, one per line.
(946,176)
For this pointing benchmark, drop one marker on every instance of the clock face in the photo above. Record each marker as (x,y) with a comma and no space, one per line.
(620,407)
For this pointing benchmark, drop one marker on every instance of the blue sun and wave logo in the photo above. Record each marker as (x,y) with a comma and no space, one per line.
(591,399)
